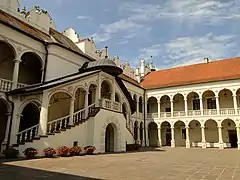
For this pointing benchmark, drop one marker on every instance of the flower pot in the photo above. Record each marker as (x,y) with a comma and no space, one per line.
(89,152)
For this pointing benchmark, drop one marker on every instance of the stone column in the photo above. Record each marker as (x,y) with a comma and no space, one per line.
(71,112)
(201,105)
(159,137)
(173,137)
(171,107)
(203,137)
(15,73)
(217,105)
(220,142)
(42,129)
(186,106)
(159,108)
(238,136)
(139,132)
(137,110)
(188,143)
(86,105)
(235,104)
(147,140)
(7,128)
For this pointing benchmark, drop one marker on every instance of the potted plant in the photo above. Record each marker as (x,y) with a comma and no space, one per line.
(11,153)
(63,151)
(89,150)
(30,152)
(49,152)
(75,151)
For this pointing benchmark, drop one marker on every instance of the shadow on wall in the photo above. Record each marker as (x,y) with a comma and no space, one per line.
(22,173)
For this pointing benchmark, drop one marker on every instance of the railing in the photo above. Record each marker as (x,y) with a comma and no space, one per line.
(5,85)
(111,105)
(78,116)
(58,124)
(116,106)
(21,85)
(206,112)
(28,134)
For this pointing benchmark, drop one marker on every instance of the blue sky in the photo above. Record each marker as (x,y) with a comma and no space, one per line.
(173,32)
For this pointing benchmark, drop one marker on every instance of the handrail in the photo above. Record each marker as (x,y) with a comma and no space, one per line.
(27,129)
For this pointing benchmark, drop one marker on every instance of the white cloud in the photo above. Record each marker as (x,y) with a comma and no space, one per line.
(84,18)
(189,50)
(122,42)
(204,11)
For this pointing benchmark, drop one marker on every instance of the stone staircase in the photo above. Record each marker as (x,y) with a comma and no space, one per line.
(55,127)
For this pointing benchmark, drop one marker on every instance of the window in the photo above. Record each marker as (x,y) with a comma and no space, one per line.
(196,104)
(211,103)
(183,133)
(167,109)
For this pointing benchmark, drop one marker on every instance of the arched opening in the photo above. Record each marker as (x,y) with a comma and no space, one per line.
(124,110)
(225,99)
(165,105)
(152,106)
(117,97)
(195,133)
(153,134)
(141,133)
(3,120)
(6,61)
(180,133)
(166,133)
(178,102)
(229,133)
(211,133)
(209,100)
(140,104)
(135,129)
(30,117)
(135,100)
(106,90)
(58,111)
(193,103)
(30,69)
(79,103)
(109,138)
(92,94)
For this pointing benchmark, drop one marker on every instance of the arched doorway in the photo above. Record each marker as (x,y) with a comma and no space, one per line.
(30,69)
(180,133)
(195,134)
(109,138)
(211,133)
(92,94)
(153,134)
(229,133)
(3,120)
(6,61)
(140,104)
(30,117)
(106,90)
(166,133)
(135,129)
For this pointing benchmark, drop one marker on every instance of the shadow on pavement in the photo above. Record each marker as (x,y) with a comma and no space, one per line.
(10,172)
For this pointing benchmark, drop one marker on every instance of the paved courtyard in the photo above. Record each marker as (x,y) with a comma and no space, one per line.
(170,163)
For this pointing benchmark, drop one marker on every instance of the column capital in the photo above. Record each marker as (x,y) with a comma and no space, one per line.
(185,98)
(187,127)
(73,98)
(216,96)
(234,95)
(202,127)
(219,127)
(158,101)
(17,60)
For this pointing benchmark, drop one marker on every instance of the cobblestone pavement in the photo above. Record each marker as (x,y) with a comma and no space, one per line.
(170,163)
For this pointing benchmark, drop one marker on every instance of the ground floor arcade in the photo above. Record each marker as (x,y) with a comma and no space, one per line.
(211,133)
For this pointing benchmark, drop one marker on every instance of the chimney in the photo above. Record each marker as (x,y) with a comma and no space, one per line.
(206,60)
(142,68)
(137,75)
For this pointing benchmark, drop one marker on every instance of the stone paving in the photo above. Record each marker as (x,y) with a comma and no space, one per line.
(169,163)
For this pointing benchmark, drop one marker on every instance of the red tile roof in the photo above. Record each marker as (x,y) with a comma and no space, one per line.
(226,69)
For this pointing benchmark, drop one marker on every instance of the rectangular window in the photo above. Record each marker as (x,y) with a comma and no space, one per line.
(183,133)
(211,103)
(196,104)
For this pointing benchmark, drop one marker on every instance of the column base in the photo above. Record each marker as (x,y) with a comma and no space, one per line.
(221,145)
(159,143)
(238,145)
(172,143)
(204,145)
(188,145)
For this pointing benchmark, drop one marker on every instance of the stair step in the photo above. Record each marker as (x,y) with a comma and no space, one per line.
(57,131)
(37,138)
(50,133)
(43,136)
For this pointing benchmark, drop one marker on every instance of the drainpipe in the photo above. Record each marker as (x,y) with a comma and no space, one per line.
(10,125)
(46,61)
(144,116)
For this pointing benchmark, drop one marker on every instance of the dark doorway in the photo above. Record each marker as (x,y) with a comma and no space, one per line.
(168,139)
(153,134)
(109,139)
(3,121)
(232,134)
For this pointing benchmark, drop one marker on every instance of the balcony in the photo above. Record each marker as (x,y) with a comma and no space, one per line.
(7,85)
(111,105)
(195,113)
